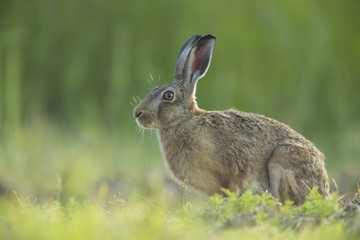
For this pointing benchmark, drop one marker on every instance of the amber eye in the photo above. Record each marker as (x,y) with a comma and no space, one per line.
(168,95)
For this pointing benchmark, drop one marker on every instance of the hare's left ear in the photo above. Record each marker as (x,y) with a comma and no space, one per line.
(181,58)
(197,60)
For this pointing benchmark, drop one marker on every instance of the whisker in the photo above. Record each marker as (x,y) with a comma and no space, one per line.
(140,131)
(134,101)
(133,98)
(133,104)
(150,133)
(142,136)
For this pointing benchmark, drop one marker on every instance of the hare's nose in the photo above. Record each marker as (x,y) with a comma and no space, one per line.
(137,113)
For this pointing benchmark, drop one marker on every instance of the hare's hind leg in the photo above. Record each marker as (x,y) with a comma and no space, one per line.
(282,175)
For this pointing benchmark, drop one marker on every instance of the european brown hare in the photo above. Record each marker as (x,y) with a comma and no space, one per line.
(226,149)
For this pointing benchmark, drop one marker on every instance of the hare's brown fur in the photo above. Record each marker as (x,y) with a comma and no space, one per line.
(228,149)
(205,151)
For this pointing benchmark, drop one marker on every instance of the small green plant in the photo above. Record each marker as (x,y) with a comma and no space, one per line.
(259,209)
(315,205)
(233,205)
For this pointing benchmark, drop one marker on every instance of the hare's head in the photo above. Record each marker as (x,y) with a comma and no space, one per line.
(168,105)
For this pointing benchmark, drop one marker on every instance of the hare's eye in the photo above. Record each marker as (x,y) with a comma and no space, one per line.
(168,95)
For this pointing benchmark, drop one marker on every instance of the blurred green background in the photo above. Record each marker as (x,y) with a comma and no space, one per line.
(70,71)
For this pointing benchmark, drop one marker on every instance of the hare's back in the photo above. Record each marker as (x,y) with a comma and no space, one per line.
(247,123)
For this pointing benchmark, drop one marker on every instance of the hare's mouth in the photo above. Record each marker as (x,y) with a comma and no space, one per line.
(145,121)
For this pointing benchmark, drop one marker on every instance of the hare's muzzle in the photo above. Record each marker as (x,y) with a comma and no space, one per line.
(144,118)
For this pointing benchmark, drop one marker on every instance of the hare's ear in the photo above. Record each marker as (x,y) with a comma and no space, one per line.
(198,61)
(181,58)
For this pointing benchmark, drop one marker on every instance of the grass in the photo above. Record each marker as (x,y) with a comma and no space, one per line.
(92,184)
(141,217)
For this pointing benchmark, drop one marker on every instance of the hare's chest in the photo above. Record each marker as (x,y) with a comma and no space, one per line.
(184,162)
(192,158)
(196,171)
(195,163)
